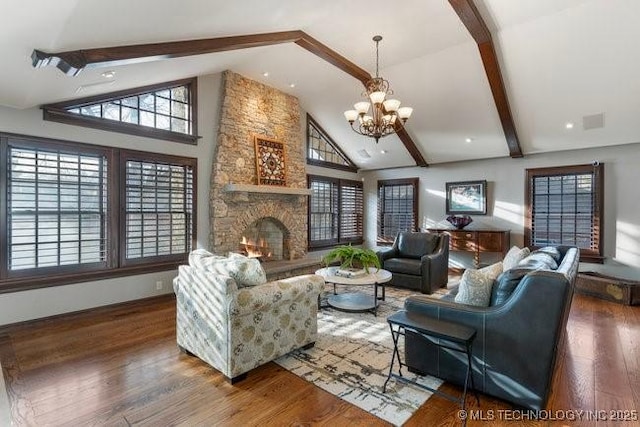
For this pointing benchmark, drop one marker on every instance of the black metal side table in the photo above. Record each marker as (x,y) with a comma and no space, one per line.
(449,335)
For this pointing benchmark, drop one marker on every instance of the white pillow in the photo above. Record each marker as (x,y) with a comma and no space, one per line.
(246,271)
(475,285)
(513,257)
(204,260)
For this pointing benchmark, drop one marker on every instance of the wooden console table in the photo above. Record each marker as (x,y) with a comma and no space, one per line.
(476,241)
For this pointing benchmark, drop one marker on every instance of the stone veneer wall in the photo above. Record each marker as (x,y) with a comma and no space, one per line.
(250,108)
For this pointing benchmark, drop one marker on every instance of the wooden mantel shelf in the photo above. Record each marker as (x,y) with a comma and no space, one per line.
(268,189)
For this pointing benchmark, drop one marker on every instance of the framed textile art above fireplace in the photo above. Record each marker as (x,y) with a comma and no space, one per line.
(270,161)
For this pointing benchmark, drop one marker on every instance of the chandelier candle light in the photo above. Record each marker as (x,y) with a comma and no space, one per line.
(384,116)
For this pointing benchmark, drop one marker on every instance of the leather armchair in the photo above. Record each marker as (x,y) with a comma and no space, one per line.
(515,349)
(418,261)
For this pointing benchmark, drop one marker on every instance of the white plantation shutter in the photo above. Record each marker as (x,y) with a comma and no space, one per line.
(57,208)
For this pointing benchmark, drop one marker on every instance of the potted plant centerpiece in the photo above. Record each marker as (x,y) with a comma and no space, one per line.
(354,262)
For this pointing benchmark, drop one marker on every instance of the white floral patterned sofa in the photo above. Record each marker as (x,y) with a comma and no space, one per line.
(229,316)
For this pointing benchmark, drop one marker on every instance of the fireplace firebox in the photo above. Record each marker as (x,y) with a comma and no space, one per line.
(266,239)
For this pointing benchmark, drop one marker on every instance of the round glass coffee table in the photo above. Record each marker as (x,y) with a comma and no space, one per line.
(356,301)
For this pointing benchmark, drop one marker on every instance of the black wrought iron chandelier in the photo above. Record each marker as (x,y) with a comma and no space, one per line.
(386,116)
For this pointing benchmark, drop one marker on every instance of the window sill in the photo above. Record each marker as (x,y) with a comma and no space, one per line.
(592,259)
(323,246)
(34,282)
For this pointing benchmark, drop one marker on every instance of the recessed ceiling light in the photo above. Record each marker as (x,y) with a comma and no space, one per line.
(109,74)
(467,140)
(568,125)
(266,74)
(384,151)
(292,85)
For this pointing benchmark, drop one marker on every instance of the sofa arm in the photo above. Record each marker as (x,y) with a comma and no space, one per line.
(385,254)
(199,285)
(436,307)
(435,266)
(256,298)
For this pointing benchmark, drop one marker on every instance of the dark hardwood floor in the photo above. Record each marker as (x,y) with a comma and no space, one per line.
(120,366)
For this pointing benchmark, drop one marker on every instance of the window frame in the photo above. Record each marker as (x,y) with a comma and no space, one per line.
(11,281)
(351,167)
(126,155)
(597,170)
(7,141)
(58,113)
(415,183)
(324,244)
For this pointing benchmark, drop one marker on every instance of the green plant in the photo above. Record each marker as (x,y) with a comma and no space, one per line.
(350,257)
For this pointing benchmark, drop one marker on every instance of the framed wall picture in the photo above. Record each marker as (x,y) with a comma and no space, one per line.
(270,161)
(467,197)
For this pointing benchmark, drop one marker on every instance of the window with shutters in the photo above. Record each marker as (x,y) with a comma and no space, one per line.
(565,206)
(61,215)
(56,208)
(323,151)
(397,208)
(351,211)
(163,111)
(159,207)
(336,209)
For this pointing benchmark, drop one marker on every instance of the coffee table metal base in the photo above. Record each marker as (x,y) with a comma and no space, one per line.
(353,301)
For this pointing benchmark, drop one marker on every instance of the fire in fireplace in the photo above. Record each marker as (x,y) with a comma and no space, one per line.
(255,249)
(265,239)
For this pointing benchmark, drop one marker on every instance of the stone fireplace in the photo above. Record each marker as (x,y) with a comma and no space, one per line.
(238,207)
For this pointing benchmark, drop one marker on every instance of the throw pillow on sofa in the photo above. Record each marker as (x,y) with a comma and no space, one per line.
(505,284)
(475,285)
(205,260)
(246,271)
(538,261)
(513,257)
(551,251)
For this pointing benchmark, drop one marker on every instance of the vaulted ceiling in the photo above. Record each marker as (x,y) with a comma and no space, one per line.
(561,60)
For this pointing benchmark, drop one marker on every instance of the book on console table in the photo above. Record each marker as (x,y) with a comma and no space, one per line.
(351,273)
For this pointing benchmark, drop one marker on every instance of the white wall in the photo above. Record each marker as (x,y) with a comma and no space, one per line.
(506,182)
(33,304)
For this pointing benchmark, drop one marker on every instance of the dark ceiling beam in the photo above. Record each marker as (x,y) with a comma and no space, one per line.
(73,62)
(332,57)
(471,18)
(411,147)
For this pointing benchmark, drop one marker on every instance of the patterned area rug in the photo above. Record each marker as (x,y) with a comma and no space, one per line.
(352,356)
